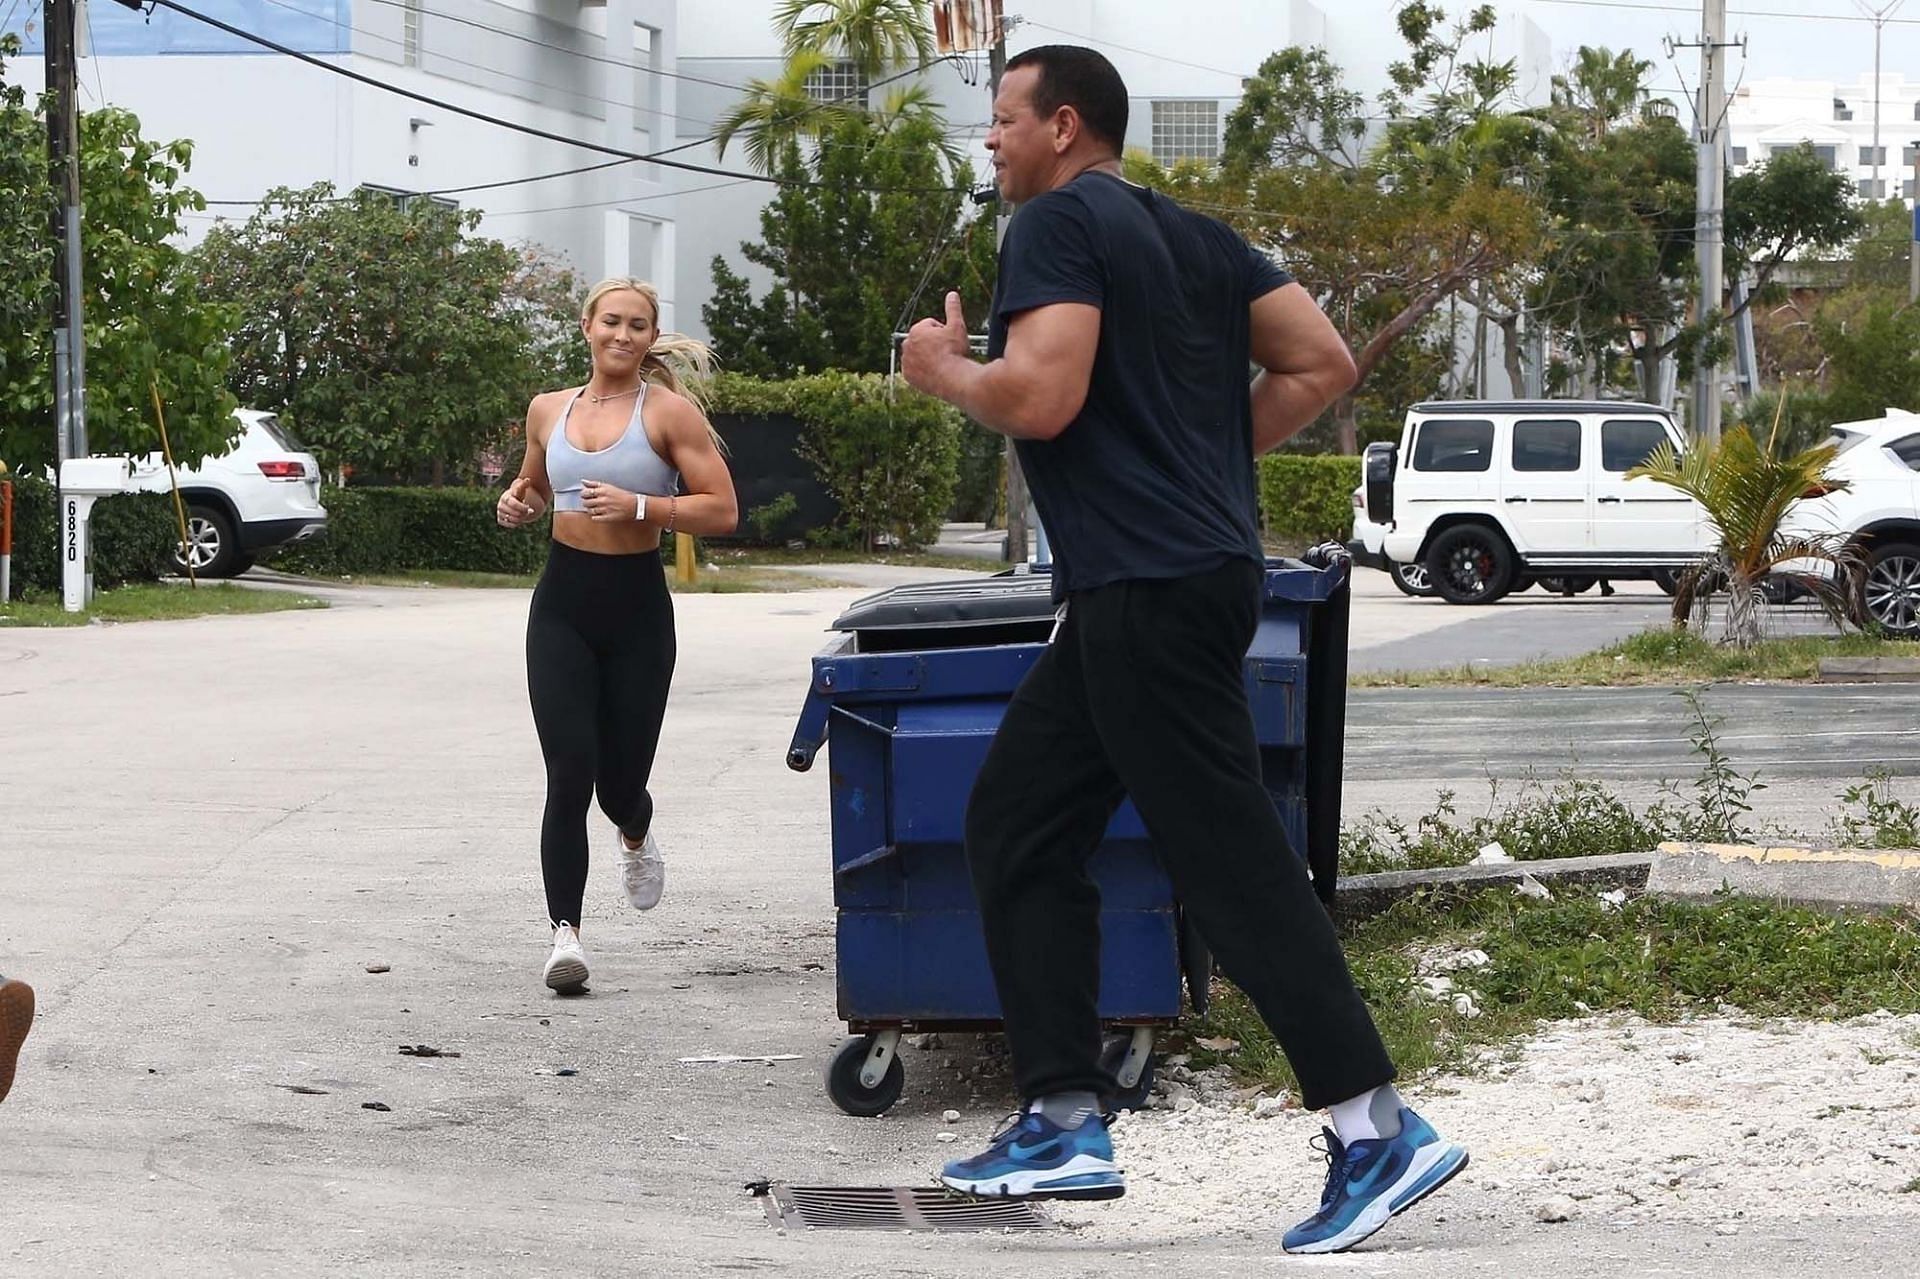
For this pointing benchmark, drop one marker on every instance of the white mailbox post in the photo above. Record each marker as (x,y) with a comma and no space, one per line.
(84,481)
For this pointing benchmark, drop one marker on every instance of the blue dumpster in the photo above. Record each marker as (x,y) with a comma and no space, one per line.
(908,697)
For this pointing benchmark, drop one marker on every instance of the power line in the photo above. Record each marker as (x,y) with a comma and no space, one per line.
(559,48)
(1735,13)
(481,66)
(529,130)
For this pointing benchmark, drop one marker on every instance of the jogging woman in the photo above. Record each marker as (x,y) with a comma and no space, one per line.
(619,461)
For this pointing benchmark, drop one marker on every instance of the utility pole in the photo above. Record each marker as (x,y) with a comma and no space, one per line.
(1016,552)
(1879,17)
(63,166)
(1913,249)
(1709,206)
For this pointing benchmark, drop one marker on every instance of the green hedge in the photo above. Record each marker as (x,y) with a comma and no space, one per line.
(133,536)
(396,530)
(1307,498)
(889,455)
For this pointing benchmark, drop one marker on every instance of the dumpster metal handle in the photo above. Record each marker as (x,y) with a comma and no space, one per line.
(867,859)
(810,733)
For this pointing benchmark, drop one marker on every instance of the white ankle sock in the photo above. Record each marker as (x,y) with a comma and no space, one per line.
(1368,1117)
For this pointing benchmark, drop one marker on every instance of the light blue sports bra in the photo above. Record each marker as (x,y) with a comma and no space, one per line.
(629,462)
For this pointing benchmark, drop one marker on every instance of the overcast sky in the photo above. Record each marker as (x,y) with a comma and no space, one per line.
(1811,41)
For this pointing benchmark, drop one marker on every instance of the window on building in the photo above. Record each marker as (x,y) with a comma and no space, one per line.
(1546,445)
(1873,155)
(1841,111)
(1829,156)
(1186,129)
(1739,156)
(404,200)
(1916,110)
(1627,442)
(410,33)
(1873,189)
(837,82)
(1906,188)
(1909,153)
(1453,444)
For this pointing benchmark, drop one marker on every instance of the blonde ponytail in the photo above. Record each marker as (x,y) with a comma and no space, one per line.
(682,364)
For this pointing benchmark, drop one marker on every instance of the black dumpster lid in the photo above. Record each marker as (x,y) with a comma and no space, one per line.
(1020,597)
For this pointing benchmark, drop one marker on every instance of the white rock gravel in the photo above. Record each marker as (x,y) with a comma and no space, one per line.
(1719,1121)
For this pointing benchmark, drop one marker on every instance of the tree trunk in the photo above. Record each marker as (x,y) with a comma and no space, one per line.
(1746,611)
(439,473)
(1346,424)
(1516,374)
(1648,360)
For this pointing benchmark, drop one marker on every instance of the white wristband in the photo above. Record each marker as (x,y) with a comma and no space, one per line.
(640,506)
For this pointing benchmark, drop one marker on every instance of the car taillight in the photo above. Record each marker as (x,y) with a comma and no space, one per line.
(283,470)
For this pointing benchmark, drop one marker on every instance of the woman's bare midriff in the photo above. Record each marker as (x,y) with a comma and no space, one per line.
(584,533)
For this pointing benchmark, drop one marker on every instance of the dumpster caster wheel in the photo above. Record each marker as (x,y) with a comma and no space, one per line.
(848,1073)
(1129,1055)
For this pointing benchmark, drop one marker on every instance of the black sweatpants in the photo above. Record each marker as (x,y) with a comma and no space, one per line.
(600,653)
(1140,694)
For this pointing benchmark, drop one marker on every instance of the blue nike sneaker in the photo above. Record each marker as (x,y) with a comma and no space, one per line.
(1031,1157)
(1372,1181)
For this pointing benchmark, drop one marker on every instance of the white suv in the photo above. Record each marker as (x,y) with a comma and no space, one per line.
(1490,494)
(1880,460)
(261,494)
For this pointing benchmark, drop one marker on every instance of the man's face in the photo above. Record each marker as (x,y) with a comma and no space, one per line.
(1022,143)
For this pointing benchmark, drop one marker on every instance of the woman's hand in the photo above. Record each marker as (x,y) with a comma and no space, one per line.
(520,505)
(608,504)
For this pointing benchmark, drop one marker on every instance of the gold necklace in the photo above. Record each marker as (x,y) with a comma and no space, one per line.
(616,395)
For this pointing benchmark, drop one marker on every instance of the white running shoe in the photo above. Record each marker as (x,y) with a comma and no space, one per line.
(643,872)
(567,967)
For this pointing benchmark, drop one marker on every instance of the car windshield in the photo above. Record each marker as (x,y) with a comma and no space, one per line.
(281,435)
(1844,440)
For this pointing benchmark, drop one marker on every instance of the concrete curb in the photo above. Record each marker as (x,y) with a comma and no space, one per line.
(1801,875)
(1868,670)
(1362,896)
(1829,878)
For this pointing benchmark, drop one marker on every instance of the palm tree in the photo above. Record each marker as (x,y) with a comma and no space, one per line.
(915,104)
(1603,89)
(874,35)
(1745,490)
(776,112)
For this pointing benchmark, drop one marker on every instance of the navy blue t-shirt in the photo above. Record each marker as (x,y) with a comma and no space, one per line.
(1155,477)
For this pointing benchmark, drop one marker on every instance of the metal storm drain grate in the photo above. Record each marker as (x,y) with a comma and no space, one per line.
(893,1208)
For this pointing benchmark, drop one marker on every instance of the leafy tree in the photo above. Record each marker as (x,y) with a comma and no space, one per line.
(393,340)
(1874,361)
(863,250)
(874,35)
(147,322)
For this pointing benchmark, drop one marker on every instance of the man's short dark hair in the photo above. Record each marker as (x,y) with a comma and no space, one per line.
(1072,76)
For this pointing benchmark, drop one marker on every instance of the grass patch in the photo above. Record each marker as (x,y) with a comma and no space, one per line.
(1657,657)
(724,579)
(1577,955)
(156,602)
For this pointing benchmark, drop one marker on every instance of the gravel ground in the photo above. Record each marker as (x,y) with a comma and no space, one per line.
(1721,1122)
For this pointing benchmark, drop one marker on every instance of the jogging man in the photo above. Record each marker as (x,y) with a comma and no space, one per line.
(1122,331)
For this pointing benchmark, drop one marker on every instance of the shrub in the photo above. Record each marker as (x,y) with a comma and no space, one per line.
(887,454)
(133,535)
(394,530)
(1308,498)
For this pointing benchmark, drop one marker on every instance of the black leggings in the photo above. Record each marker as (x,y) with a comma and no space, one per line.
(600,652)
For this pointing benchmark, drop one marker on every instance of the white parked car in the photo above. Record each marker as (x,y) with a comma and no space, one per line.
(1879,510)
(1490,495)
(261,494)
(1365,548)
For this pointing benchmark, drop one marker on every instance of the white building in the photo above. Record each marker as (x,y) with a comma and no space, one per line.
(1774,115)
(601,71)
